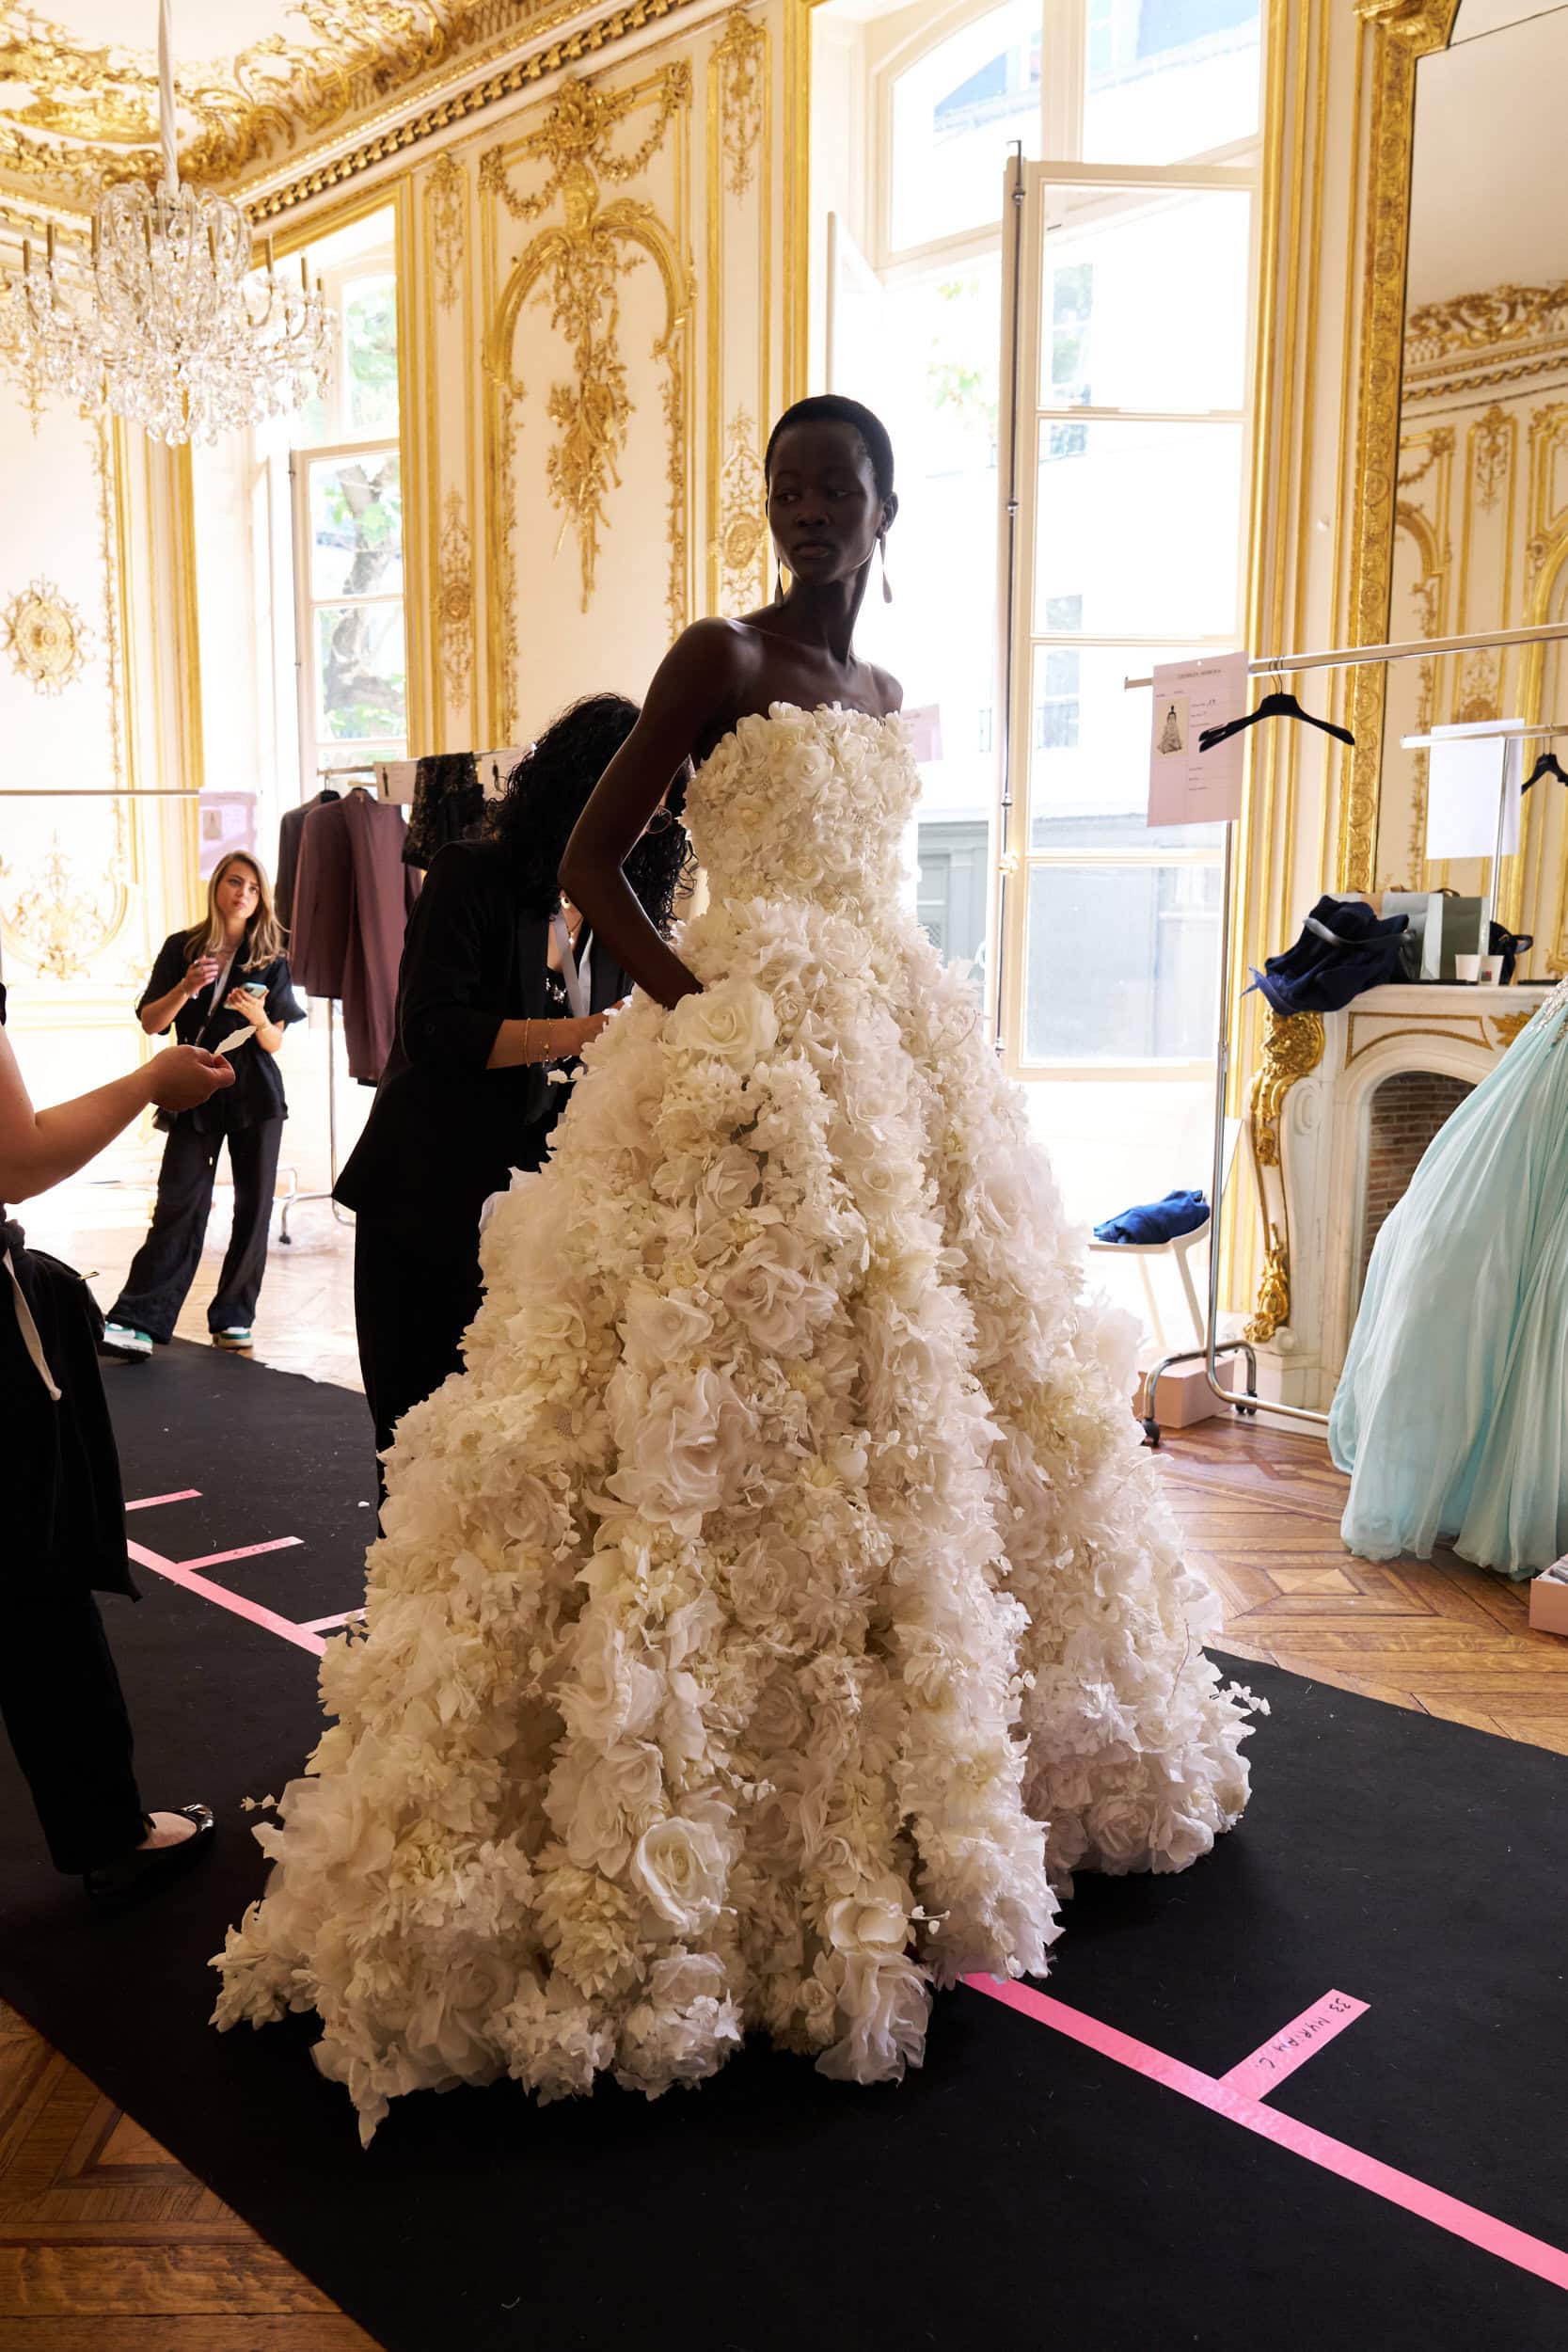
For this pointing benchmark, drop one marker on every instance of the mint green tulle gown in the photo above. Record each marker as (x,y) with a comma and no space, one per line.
(1451,1413)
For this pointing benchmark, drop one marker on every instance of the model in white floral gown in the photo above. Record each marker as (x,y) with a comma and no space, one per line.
(780,1606)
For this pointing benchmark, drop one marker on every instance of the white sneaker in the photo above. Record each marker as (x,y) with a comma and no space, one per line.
(124,1344)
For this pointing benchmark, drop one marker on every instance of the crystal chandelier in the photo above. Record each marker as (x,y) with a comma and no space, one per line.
(168,327)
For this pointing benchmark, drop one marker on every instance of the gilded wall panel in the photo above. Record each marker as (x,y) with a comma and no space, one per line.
(588,299)
(65,861)
(738,293)
(446,371)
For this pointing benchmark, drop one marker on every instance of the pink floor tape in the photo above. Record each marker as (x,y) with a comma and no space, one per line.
(181,1572)
(1222,2098)
(1302,2039)
(243,1551)
(150,1502)
(328,1625)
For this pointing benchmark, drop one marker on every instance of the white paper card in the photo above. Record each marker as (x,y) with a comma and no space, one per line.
(1187,786)
(1467,771)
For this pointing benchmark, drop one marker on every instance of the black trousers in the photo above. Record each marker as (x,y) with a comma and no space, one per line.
(410,1312)
(63,1710)
(164,1266)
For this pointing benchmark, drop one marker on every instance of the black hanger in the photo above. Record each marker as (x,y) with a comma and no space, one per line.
(1547,765)
(327,793)
(1275,705)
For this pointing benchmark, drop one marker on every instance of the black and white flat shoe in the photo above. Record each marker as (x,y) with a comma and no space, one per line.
(147,1867)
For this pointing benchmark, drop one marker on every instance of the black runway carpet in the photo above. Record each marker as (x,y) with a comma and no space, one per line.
(1021,2191)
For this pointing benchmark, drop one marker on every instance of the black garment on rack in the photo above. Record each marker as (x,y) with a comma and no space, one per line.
(449,805)
(291,832)
(1344,948)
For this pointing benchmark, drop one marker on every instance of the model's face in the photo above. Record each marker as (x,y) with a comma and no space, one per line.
(823,506)
(238,895)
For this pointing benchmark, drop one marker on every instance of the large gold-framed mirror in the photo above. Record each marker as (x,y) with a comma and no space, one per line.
(1463,446)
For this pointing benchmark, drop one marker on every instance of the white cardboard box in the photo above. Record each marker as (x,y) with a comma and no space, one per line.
(1183,1395)
(1549,1600)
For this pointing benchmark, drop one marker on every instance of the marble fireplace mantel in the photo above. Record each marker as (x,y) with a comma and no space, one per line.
(1309,1120)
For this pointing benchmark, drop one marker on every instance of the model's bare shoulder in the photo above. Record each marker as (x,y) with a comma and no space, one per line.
(890,693)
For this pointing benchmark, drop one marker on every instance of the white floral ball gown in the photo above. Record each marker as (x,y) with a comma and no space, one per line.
(780,1604)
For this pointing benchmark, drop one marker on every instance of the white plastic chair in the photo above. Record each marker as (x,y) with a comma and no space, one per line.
(1179,1249)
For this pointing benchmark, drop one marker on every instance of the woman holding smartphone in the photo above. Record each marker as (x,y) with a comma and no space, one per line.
(224,986)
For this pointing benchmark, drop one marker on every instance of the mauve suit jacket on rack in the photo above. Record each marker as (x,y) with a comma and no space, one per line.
(352,896)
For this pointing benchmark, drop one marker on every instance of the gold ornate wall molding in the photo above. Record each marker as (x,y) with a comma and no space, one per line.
(739,386)
(454,599)
(402,129)
(1401,32)
(86,113)
(55,922)
(743,520)
(447,213)
(45,636)
(740,62)
(1294,1046)
(60,924)
(577,266)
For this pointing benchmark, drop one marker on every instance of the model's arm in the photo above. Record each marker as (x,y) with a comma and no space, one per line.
(41,1147)
(695,693)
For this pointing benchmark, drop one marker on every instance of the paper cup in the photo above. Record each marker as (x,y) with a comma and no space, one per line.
(1466,967)
(1490,971)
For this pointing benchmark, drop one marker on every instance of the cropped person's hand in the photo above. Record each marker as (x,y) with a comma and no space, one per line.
(182,1076)
(202,974)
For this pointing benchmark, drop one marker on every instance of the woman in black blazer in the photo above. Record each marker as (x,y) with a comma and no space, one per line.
(225,980)
(498,985)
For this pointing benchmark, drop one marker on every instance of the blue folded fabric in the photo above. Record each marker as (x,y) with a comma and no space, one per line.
(1156,1220)
(1345,948)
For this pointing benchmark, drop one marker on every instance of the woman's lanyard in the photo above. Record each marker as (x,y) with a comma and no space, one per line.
(576,994)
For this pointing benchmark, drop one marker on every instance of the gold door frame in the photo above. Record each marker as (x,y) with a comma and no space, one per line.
(1400,33)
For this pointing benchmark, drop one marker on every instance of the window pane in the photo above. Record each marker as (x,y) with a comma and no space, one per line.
(1122,964)
(371,353)
(1145,299)
(360,674)
(937,386)
(954,114)
(1142,522)
(1169,78)
(1088,752)
(356,526)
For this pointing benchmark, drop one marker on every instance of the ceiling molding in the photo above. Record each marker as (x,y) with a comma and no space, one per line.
(85,115)
(266,200)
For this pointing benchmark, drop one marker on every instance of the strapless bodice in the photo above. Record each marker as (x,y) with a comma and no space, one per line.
(806,804)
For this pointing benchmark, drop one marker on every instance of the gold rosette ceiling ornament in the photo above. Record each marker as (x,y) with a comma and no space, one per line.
(170,324)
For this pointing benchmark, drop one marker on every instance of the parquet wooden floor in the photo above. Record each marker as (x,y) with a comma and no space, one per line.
(107,2245)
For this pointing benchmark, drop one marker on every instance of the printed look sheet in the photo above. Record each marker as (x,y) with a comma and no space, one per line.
(1187,786)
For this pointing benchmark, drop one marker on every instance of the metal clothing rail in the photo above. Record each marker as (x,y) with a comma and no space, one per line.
(99,792)
(1347,657)
(1401,649)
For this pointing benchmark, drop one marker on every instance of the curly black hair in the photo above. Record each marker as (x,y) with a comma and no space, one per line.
(546,793)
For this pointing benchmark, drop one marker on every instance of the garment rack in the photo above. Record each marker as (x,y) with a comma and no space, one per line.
(1340,657)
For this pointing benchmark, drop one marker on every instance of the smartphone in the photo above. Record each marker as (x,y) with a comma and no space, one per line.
(254,988)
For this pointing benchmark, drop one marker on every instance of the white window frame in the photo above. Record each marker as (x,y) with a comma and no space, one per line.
(1022,422)
(320,755)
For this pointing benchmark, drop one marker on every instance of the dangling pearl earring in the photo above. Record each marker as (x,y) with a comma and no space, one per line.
(882,543)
